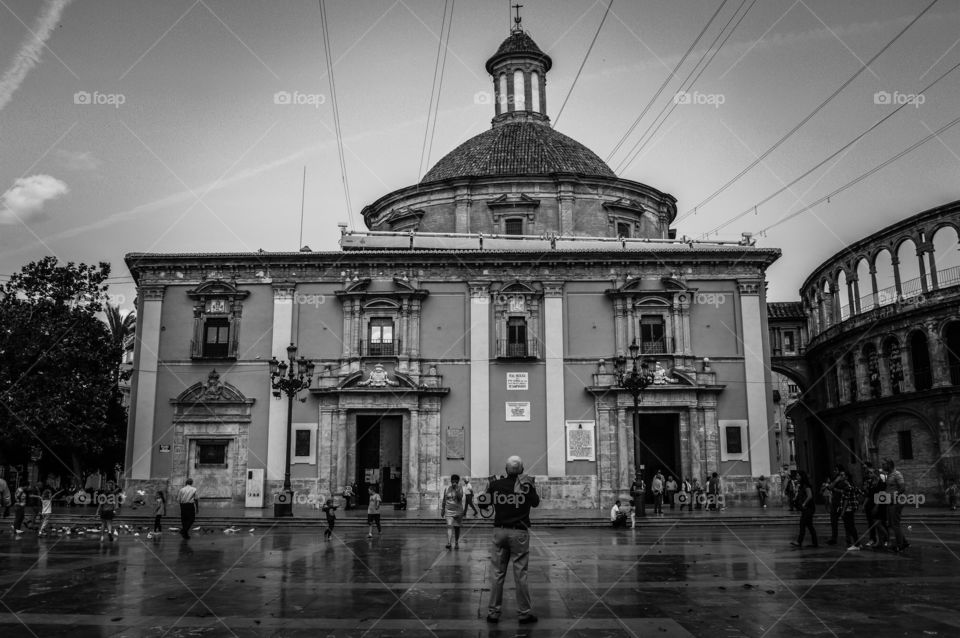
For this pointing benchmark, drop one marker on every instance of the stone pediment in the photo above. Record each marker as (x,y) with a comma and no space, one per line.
(213,390)
(217,288)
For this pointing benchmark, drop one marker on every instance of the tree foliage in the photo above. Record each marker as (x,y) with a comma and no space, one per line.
(58,363)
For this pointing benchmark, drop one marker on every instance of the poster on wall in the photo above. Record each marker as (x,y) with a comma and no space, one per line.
(518,381)
(455,443)
(518,410)
(580,441)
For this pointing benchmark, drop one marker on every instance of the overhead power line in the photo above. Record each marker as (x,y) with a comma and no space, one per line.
(324,25)
(669,107)
(438,68)
(806,119)
(840,150)
(857,180)
(556,120)
(666,81)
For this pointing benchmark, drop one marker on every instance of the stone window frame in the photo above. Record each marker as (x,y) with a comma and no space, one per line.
(209,442)
(506,306)
(654,306)
(725,454)
(513,207)
(311,457)
(216,299)
(380,308)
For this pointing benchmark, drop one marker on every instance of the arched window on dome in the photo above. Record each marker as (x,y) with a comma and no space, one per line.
(502,95)
(535,92)
(519,99)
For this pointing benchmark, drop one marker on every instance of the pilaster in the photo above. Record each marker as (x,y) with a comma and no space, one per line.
(755,377)
(144,413)
(553,355)
(277,418)
(480,379)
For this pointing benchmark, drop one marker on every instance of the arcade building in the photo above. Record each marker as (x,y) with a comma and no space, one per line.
(485,312)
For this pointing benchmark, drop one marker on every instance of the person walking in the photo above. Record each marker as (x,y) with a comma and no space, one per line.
(6,499)
(330,510)
(833,493)
(159,511)
(468,497)
(108,503)
(189,500)
(511,499)
(19,510)
(373,512)
(670,488)
(46,510)
(656,486)
(713,493)
(762,490)
(895,486)
(805,503)
(452,510)
(850,497)
(638,495)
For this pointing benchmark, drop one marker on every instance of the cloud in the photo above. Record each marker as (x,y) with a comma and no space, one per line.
(30,49)
(78,161)
(25,199)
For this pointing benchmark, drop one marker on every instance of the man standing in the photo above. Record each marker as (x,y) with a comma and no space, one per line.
(895,487)
(656,486)
(452,510)
(511,499)
(189,507)
(638,492)
(468,498)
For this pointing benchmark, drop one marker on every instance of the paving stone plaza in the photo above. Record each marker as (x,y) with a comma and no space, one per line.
(665,578)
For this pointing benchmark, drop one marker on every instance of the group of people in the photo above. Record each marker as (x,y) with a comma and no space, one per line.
(878,495)
(668,490)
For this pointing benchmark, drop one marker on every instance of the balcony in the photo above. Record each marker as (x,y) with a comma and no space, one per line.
(508,349)
(656,346)
(378,348)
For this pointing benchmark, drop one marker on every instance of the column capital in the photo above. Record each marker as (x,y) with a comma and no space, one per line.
(553,289)
(283,291)
(749,287)
(151,293)
(479,288)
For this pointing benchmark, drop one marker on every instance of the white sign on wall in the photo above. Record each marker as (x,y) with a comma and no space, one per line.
(518,410)
(518,381)
(580,441)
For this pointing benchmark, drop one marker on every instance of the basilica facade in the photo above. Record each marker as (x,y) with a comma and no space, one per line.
(487,311)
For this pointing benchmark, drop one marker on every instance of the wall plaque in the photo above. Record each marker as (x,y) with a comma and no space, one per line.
(518,381)
(455,442)
(580,441)
(518,410)
(164,449)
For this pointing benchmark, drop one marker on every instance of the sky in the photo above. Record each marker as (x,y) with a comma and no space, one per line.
(144,126)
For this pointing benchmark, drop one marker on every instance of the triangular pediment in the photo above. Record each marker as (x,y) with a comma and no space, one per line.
(217,288)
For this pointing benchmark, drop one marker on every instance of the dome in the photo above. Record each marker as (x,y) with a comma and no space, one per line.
(519,44)
(518,148)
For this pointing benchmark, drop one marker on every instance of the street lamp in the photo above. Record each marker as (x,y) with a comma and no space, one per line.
(289,378)
(634,380)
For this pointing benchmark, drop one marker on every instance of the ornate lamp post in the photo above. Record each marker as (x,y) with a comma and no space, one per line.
(634,380)
(289,378)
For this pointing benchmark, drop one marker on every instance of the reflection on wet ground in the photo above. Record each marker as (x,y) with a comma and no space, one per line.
(584,582)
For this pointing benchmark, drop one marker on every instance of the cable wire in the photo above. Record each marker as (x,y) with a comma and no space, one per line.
(582,64)
(806,119)
(324,25)
(432,110)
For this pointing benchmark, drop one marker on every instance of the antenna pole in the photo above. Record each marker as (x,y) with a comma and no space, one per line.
(303,193)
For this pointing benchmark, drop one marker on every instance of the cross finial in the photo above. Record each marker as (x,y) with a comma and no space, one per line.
(517,19)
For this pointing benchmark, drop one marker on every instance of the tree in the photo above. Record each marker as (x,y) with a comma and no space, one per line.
(121,326)
(58,363)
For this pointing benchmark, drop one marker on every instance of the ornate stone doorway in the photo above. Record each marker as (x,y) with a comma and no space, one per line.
(659,445)
(379,456)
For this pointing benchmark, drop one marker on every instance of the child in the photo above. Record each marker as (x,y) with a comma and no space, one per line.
(107,505)
(330,510)
(19,510)
(159,511)
(46,509)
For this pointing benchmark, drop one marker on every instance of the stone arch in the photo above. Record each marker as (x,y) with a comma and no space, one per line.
(843,301)
(864,284)
(892,353)
(871,363)
(882,261)
(792,374)
(919,471)
(909,267)
(945,240)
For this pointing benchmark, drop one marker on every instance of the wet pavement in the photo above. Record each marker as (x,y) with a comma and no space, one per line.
(669,582)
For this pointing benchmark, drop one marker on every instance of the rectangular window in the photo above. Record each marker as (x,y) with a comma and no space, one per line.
(516,337)
(734,442)
(513,226)
(381,337)
(623,230)
(905,440)
(302,443)
(789,345)
(216,337)
(211,453)
(652,335)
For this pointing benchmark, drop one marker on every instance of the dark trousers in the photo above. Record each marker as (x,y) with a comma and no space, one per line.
(658,502)
(469,503)
(806,523)
(763,498)
(850,528)
(188,513)
(893,522)
(18,514)
(834,524)
(327,533)
(670,497)
(156,523)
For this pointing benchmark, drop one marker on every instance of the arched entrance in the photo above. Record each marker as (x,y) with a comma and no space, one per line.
(909,442)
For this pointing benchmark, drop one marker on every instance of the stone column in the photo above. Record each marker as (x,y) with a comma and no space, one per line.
(553,356)
(873,282)
(414,328)
(607,451)
(624,443)
(326,450)
(855,301)
(883,368)
(620,326)
(542,78)
(907,362)
(895,262)
(143,397)
(347,309)
(566,199)
(921,249)
(933,265)
(461,204)
(939,367)
(496,97)
(412,469)
(341,475)
(480,379)
(277,419)
(755,377)
(712,441)
(685,328)
(511,93)
(527,92)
